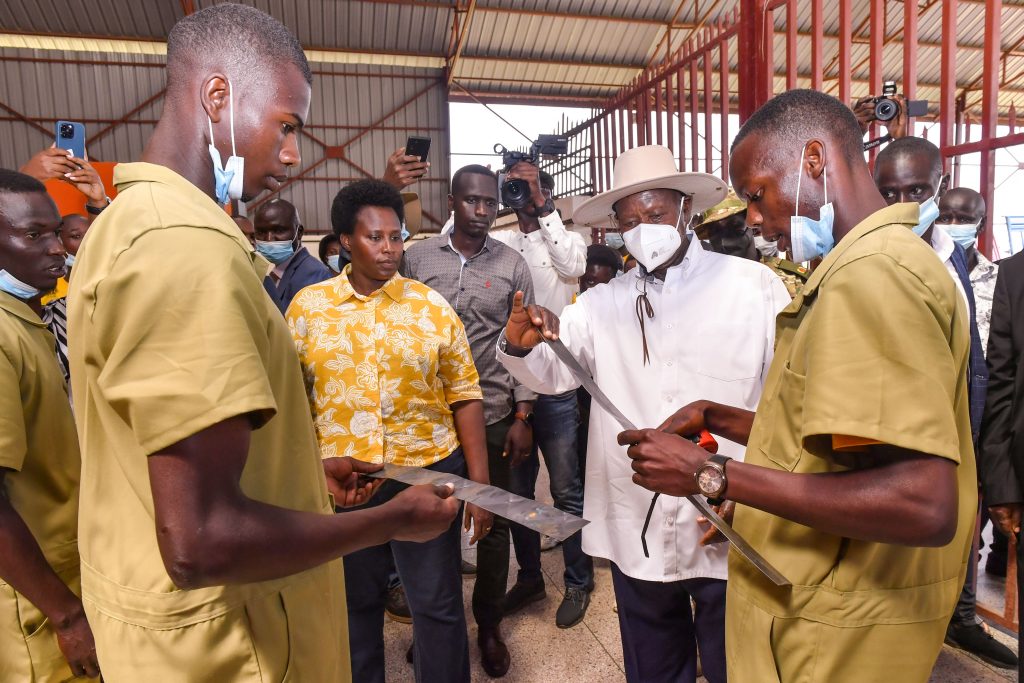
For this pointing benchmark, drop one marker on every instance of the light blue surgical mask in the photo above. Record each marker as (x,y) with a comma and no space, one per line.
(69,260)
(927,214)
(17,288)
(964,235)
(405,233)
(810,239)
(227,178)
(334,262)
(278,251)
(613,240)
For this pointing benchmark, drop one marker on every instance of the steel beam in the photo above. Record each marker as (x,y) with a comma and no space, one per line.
(989,113)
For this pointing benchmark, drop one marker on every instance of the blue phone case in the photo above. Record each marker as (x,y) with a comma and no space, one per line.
(71,136)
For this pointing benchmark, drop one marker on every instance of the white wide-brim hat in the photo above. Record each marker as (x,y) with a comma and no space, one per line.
(651,167)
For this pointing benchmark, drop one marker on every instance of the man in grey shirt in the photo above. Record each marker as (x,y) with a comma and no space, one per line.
(479,277)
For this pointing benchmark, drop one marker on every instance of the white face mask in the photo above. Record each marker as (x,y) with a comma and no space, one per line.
(966,235)
(227,178)
(654,244)
(927,214)
(766,248)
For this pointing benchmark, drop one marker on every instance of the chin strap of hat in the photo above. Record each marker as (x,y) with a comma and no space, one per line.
(643,306)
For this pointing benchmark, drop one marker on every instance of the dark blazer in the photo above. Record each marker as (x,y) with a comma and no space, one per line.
(977,372)
(1001,451)
(302,271)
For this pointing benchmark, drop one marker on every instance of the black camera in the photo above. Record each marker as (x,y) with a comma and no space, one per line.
(887,107)
(67,130)
(515,193)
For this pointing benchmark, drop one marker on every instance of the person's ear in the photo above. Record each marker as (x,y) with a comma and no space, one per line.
(451,203)
(943,186)
(214,96)
(346,242)
(814,159)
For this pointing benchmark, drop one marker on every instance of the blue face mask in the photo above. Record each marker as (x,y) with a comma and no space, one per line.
(276,252)
(927,214)
(614,240)
(227,178)
(334,262)
(405,233)
(964,235)
(810,239)
(69,260)
(17,288)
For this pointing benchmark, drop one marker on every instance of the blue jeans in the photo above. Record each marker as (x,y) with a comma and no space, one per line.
(430,574)
(555,420)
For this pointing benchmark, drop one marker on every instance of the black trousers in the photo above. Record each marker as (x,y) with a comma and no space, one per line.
(492,552)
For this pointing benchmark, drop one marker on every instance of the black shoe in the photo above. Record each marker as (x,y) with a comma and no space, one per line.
(522,594)
(396,607)
(408,653)
(494,654)
(573,608)
(974,639)
(467,568)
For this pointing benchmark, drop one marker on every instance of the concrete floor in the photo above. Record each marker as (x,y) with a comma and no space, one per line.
(591,652)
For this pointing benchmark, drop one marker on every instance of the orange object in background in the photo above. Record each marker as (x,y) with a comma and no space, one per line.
(70,200)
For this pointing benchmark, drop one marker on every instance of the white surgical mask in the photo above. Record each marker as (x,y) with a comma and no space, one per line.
(227,178)
(964,235)
(811,239)
(69,260)
(766,248)
(333,262)
(17,288)
(654,244)
(927,214)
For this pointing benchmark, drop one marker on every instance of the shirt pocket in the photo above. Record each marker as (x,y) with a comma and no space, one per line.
(783,442)
(728,351)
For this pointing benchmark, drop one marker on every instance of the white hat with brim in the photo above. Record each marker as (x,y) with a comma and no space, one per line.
(651,167)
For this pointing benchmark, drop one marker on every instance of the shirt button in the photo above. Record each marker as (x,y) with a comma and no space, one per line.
(669,521)
(669,363)
(669,326)
(668,398)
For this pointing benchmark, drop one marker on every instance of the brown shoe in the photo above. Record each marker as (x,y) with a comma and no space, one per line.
(494,654)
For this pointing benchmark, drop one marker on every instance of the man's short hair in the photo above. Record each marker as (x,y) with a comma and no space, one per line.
(547,181)
(354,196)
(797,116)
(472,169)
(603,255)
(911,146)
(231,36)
(16,182)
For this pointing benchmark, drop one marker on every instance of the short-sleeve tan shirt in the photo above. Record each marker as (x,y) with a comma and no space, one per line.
(172,332)
(876,347)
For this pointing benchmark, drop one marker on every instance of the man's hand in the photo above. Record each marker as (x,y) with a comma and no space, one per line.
(427,511)
(713,535)
(344,483)
(88,182)
(686,421)
(481,519)
(1007,517)
(662,462)
(864,110)
(74,637)
(524,170)
(530,325)
(518,442)
(52,162)
(404,169)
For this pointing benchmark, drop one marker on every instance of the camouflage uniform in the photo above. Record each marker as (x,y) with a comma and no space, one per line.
(793,275)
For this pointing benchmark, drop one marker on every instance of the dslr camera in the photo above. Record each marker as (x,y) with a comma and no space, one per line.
(887,107)
(515,193)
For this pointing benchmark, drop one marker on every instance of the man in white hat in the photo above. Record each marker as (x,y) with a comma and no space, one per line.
(685,323)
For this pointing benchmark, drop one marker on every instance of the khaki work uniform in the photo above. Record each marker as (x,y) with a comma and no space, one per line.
(39,446)
(875,347)
(172,332)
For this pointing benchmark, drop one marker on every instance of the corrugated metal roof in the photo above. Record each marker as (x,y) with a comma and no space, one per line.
(134,18)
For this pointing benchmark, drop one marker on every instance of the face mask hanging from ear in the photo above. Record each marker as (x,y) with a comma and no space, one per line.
(227,179)
(928,212)
(17,288)
(810,239)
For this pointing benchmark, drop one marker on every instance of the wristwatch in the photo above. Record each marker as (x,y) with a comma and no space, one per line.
(711,479)
(97,210)
(525,417)
(511,349)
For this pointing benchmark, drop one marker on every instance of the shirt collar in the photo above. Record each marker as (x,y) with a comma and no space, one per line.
(394,288)
(942,243)
(448,243)
(19,309)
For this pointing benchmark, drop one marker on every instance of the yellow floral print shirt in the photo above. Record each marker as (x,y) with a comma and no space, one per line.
(382,371)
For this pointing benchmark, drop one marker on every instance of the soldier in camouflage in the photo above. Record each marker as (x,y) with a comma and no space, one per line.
(723,228)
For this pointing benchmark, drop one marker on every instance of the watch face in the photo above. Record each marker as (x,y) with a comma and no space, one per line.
(710,480)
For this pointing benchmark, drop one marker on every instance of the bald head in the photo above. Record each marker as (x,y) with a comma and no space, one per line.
(909,170)
(962,206)
(240,41)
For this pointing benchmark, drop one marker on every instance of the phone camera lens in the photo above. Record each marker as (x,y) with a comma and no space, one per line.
(67,130)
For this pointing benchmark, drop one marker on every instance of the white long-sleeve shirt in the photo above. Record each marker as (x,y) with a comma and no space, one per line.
(557,258)
(712,337)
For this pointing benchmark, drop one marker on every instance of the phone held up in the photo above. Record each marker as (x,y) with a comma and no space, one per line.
(417,146)
(71,136)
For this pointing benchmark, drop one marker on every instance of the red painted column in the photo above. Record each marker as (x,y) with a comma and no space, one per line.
(989,115)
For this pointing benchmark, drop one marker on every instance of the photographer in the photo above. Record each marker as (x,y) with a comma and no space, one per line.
(557,258)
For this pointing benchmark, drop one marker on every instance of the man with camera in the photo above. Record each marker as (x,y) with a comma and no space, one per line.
(557,258)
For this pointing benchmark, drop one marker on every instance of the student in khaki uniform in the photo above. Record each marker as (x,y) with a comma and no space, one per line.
(859,481)
(208,540)
(44,635)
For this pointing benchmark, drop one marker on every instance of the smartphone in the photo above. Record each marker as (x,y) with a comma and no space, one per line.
(417,146)
(71,136)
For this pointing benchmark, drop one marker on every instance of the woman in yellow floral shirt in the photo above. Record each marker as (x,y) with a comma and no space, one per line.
(391,379)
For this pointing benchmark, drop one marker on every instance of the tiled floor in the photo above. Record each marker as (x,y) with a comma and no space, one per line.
(591,652)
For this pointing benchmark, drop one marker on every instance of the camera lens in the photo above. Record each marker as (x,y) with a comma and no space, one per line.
(886,110)
(67,130)
(515,194)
